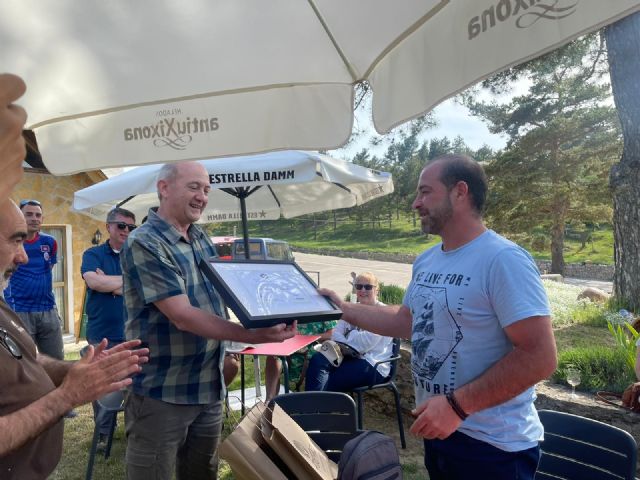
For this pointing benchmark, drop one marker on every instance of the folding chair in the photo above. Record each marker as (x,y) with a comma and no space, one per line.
(113,403)
(389,385)
(328,417)
(576,447)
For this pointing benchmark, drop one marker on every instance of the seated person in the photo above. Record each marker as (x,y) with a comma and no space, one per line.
(297,362)
(354,371)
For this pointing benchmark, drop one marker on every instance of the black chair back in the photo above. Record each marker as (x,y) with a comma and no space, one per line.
(329,418)
(576,447)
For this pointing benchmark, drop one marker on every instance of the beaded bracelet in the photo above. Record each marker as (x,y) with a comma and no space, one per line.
(455,405)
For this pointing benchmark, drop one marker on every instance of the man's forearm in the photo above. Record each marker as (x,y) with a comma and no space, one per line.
(56,369)
(208,325)
(103,283)
(389,320)
(512,375)
(22,425)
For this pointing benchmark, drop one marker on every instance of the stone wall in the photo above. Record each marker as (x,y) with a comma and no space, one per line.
(56,196)
(589,271)
(574,270)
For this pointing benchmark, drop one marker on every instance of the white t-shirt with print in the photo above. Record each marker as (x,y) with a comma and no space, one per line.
(461,300)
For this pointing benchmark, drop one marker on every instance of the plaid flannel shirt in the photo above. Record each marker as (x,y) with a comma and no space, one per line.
(158,263)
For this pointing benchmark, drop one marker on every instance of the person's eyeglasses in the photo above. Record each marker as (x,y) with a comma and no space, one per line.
(367,287)
(8,343)
(122,225)
(34,203)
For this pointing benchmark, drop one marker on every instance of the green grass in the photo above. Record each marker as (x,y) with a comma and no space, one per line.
(402,236)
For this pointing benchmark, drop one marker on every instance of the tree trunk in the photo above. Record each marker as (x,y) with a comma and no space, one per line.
(557,248)
(623,46)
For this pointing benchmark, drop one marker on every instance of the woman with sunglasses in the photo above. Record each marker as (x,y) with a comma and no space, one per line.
(366,349)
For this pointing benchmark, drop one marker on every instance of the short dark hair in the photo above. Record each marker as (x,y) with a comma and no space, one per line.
(462,168)
(111,216)
(33,203)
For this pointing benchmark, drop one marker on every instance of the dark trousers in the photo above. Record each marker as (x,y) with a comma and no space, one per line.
(460,457)
(167,441)
(352,373)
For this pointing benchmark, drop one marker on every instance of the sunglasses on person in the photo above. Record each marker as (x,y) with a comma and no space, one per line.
(34,203)
(123,225)
(367,287)
(8,343)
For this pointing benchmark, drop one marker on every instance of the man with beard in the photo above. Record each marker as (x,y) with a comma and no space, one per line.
(37,390)
(173,412)
(480,325)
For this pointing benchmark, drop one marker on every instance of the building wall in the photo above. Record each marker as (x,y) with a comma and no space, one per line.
(56,196)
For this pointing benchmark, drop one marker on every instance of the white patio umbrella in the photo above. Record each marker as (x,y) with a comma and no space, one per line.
(121,82)
(259,187)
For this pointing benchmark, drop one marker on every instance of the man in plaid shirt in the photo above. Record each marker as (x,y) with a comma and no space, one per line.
(173,413)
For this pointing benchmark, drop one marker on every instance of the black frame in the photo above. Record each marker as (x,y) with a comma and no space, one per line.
(250,321)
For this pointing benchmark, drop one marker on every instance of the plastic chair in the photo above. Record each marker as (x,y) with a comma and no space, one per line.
(112,403)
(576,447)
(328,417)
(389,385)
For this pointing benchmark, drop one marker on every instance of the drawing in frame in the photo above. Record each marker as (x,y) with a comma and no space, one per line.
(263,293)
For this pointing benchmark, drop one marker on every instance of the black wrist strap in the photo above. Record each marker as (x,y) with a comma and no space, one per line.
(455,406)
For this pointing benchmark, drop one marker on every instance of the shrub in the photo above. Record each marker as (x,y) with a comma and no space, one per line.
(626,337)
(602,368)
(391,294)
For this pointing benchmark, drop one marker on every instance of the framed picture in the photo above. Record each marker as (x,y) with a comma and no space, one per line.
(263,293)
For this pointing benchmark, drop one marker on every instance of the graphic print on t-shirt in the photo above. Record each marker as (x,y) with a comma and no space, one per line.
(432,341)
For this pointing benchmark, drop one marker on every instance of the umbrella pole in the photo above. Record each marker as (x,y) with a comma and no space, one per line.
(245,222)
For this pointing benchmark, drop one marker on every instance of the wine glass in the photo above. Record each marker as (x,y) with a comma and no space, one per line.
(573,379)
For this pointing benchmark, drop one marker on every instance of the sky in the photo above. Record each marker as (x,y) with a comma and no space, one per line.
(453,119)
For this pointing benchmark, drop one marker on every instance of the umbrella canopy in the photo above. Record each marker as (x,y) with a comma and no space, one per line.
(270,185)
(132,82)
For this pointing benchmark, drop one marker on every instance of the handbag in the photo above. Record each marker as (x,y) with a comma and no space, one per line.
(628,400)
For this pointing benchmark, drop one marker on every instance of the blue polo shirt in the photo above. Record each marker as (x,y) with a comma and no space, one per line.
(30,288)
(105,311)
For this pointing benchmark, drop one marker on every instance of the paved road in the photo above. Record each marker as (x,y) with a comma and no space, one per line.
(335,272)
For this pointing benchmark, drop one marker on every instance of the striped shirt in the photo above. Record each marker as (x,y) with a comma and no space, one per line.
(158,263)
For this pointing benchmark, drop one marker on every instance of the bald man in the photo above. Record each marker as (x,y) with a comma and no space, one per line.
(173,414)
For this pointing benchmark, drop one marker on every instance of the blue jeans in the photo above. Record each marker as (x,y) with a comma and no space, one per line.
(460,457)
(352,373)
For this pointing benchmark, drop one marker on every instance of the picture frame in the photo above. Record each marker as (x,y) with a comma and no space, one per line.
(263,293)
